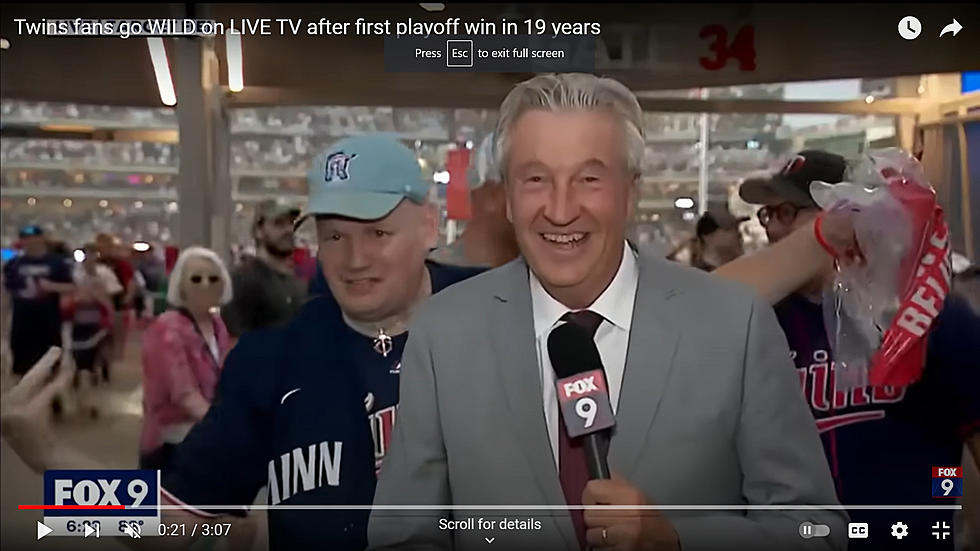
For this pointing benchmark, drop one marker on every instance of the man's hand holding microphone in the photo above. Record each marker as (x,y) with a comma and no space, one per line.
(624,528)
(584,403)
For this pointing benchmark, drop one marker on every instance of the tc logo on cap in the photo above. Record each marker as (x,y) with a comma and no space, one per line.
(793,165)
(338,166)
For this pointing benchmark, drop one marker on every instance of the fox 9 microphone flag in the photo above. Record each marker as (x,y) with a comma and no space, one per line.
(584,403)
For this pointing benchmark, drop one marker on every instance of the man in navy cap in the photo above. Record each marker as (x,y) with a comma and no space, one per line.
(34,281)
(307,408)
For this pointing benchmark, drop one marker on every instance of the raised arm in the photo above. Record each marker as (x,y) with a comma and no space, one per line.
(27,429)
(784,267)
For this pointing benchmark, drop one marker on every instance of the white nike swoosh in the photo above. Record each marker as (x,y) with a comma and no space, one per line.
(287,395)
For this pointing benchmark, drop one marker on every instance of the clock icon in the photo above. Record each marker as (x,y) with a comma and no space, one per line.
(909,27)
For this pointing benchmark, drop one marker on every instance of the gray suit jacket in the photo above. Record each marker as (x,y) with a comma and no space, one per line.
(710,413)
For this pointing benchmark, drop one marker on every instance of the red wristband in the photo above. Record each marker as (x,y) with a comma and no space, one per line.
(818,233)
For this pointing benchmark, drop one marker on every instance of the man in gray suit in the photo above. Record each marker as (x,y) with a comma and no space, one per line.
(707,403)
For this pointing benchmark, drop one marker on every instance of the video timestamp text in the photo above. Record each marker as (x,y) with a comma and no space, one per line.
(178,529)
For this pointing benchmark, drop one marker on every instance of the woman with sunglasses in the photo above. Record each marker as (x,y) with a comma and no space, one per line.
(183,351)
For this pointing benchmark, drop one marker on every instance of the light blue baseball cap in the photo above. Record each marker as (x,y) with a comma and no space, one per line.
(364,177)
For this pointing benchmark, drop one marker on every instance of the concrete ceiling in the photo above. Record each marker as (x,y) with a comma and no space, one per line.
(793,42)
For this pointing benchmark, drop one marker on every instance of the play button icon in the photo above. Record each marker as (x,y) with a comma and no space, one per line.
(42,530)
(89,531)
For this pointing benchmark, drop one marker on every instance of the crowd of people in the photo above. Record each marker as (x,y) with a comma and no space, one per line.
(720,378)
(82,300)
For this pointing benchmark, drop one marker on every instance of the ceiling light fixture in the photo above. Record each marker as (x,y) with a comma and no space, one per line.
(684,203)
(161,68)
(233,51)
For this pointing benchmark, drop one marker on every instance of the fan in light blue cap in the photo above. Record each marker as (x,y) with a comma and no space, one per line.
(365,178)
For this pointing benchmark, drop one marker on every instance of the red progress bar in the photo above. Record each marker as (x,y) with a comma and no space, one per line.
(55,507)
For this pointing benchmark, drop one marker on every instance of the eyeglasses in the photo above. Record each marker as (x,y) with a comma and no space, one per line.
(785,212)
(197,279)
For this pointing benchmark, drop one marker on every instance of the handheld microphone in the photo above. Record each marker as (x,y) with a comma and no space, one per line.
(582,393)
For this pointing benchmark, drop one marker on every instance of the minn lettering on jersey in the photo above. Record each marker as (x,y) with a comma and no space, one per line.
(304,469)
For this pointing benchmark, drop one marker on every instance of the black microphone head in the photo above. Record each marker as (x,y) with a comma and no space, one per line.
(572,351)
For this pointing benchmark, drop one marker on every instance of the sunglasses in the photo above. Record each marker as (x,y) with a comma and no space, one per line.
(785,212)
(197,279)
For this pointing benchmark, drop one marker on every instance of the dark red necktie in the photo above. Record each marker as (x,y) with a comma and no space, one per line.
(572,471)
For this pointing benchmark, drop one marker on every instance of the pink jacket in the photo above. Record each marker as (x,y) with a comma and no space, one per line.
(176,361)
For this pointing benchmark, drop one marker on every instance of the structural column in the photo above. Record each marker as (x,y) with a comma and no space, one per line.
(703,174)
(204,183)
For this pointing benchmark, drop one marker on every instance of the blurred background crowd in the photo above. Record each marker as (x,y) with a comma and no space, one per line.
(96,181)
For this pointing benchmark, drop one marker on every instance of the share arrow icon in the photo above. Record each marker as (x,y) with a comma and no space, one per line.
(953,27)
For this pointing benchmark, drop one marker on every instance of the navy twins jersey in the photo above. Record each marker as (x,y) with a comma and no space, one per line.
(306,409)
(35,310)
(881,443)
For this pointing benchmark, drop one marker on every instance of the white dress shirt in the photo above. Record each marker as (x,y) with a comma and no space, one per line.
(615,304)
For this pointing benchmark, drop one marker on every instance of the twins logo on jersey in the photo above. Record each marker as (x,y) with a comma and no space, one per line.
(337,167)
(34,270)
(835,408)
(31,273)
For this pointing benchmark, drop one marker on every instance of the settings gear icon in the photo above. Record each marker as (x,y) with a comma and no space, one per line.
(899,530)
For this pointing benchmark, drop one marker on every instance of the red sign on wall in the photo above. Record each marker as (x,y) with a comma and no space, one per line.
(458,192)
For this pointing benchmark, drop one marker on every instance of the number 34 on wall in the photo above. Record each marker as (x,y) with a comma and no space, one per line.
(742,47)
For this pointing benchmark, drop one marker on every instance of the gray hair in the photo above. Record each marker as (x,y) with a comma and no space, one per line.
(177,275)
(567,91)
